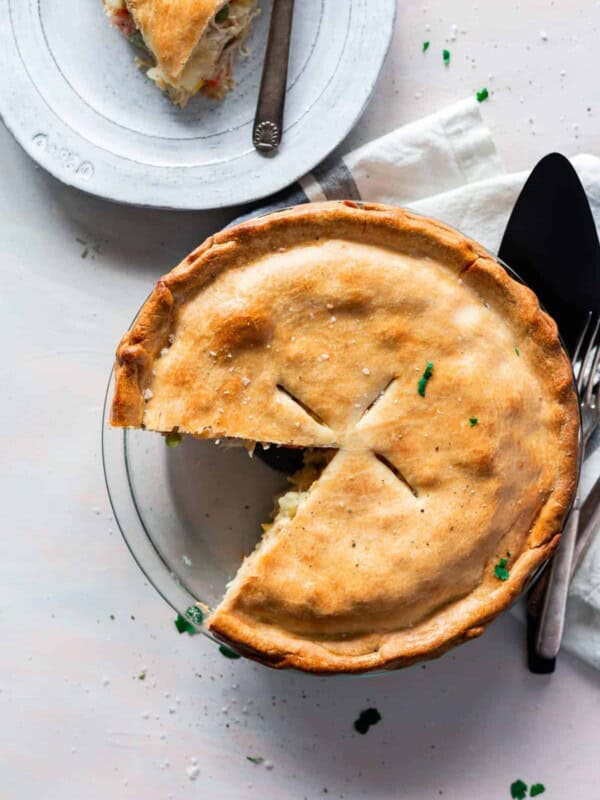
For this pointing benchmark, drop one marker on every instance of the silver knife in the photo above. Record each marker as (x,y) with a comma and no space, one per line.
(553,611)
(589,521)
(552,618)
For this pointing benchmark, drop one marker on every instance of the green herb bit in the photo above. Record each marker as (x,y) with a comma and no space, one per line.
(255,759)
(473,421)
(365,719)
(173,439)
(223,14)
(446,56)
(193,618)
(536,789)
(137,40)
(425,46)
(482,95)
(184,626)
(421,386)
(500,570)
(518,352)
(518,790)
(228,652)
(195,614)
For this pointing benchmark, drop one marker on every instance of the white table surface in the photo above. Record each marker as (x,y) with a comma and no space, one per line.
(76,723)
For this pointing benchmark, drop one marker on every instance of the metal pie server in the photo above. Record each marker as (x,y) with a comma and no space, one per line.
(551,241)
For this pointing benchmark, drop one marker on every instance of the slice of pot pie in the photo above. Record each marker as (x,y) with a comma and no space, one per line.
(188,46)
(434,398)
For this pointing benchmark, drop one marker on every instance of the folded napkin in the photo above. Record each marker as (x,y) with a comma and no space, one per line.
(446,166)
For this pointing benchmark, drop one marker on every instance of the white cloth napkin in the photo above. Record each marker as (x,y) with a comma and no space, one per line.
(446,165)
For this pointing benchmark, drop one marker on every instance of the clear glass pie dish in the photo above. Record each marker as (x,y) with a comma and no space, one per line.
(189,514)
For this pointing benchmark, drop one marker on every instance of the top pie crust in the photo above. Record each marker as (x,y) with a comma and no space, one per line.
(337,308)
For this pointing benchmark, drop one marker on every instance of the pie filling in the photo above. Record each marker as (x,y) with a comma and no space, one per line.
(210,67)
(286,505)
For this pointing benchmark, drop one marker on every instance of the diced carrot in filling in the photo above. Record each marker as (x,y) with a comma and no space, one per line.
(124,22)
(214,82)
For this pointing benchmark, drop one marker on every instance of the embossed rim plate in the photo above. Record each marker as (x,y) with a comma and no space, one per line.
(71,96)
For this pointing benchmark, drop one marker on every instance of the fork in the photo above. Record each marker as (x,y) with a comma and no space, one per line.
(268,122)
(552,617)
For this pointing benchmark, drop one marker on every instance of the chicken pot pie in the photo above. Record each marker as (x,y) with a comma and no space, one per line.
(187,46)
(436,402)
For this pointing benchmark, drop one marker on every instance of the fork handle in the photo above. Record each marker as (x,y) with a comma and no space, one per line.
(552,618)
(589,524)
(268,123)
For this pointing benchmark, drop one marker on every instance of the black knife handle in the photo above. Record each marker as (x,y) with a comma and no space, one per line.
(537,665)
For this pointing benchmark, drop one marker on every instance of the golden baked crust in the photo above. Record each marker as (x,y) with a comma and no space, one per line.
(313,326)
(173,28)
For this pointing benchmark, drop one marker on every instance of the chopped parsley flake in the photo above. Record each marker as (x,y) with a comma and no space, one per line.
(446,56)
(366,718)
(173,439)
(425,46)
(184,626)
(473,421)
(188,623)
(195,614)
(536,789)
(500,570)
(228,652)
(482,95)
(223,14)
(518,790)
(255,759)
(517,351)
(421,386)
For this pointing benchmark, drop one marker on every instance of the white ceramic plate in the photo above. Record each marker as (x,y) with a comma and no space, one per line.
(72,97)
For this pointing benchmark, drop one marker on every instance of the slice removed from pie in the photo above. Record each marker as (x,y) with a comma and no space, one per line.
(434,397)
(186,46)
